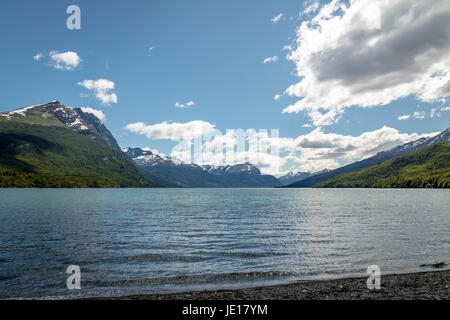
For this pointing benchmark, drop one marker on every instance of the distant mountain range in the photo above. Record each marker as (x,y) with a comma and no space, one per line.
(376,159)
(292,177)
(50,145)
(175,173)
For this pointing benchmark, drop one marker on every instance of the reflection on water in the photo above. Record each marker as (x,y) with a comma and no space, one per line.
(130,241)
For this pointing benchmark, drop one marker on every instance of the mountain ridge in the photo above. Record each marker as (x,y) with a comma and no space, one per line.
(428,167)
(183,174)
(374,160)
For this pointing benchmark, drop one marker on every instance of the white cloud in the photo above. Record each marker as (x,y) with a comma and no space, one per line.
(445,109)
(312,8)
(419,115)
(319,150)
(65,60)
(102,90)
(404,117)
(171,130)
(435,113)
(185,105)
(307,125)
(270,59)
(370,53)
(38,56)
(150,49)
(277,97)
(277,18)
(98,113)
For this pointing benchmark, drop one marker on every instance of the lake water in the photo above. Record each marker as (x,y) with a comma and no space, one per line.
(129,241)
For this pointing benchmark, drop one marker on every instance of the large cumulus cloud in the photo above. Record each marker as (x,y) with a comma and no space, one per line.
(369,53)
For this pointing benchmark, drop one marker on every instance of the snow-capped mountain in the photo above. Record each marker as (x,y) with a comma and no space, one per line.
(147,158)
(292,177)
(178,173)
(245,169)
(376,159)
(50,145)
(416,145)
(78,120)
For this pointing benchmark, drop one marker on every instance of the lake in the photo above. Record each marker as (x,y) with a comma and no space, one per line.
(130,241)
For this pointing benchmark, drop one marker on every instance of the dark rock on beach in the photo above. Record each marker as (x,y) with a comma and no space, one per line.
(435,265)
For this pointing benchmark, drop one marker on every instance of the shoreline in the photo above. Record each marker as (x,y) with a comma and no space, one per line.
(427,285)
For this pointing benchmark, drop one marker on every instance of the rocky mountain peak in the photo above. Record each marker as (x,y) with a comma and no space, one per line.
(83,122)
(136,152)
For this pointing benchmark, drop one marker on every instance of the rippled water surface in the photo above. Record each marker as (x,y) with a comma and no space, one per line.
(129,241)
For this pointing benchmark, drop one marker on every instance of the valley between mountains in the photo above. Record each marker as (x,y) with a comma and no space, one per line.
(54,146)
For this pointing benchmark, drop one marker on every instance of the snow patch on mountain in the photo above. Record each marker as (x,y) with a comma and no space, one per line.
(20,112)
(97,113)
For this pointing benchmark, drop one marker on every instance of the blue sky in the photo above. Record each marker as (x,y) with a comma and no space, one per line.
(208,52)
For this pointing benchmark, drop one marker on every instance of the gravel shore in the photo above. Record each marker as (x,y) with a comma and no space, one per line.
(423,285)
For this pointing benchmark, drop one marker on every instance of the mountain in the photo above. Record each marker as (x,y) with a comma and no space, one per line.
(51,145)
(292,177)
(376,159)
(180,174)
(428,167)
